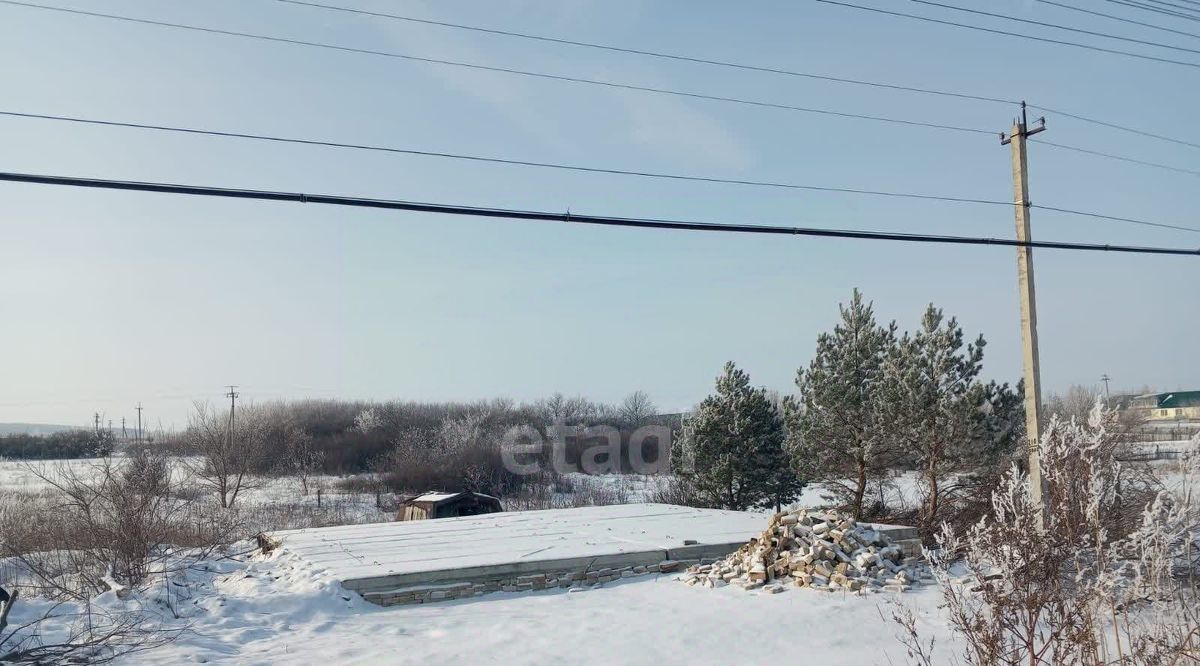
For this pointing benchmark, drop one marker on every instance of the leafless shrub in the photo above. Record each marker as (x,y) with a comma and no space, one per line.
(550,492)
(1075,592)
(334,510)
(463,453)
(93,636)
(674,490)
(917,649)
(104,525)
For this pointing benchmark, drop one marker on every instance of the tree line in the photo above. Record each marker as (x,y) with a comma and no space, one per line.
(79,443)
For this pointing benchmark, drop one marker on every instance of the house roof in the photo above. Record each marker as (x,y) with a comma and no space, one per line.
(1179,399)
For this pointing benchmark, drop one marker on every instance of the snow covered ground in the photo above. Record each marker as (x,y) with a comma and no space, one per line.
(283,610)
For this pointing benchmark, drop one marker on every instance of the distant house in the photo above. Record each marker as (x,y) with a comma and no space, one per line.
(1172,406)
(448,505)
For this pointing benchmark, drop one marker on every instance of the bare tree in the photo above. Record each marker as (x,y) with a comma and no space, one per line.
(637,408)
(1077,404)
(302,459)
(229,449)
(561,409)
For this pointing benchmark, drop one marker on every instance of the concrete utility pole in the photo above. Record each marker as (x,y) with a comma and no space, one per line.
(139,429)
(1029,340)
(96,422)
(1104,378)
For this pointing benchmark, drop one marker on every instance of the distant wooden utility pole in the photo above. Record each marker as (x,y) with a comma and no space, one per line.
(1104,378)
(139,428)
(1033,374)
(232,395)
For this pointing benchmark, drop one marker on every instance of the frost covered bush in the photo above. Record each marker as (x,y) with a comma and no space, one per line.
(1063,586)
(463,453)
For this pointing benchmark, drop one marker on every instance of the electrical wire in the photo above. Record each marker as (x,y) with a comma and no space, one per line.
(1121,158)
(654,54)
(610,84)
(1115,218)
(496,160)
(1172,6)
(1116,126)
(1047,40)
(1043,24)
(569,167)
(723,63)
(506,70)
(574,218)
(1153,9)
(1119,18)
(647,89)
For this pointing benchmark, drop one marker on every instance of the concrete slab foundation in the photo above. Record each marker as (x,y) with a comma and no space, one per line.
(454,558)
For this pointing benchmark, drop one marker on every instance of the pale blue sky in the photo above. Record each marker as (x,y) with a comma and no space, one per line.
(109,298)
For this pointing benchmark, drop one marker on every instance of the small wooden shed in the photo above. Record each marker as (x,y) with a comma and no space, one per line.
(448,505)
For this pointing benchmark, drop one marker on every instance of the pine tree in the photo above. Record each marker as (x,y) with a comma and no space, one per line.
(836,425)
(781,481)
(934,405)
(735,444)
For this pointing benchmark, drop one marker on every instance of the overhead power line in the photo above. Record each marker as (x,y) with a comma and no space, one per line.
(1119,18)
(1172,6)
(995,31)
(1104,123)
(567,167)
(1056,26)
(1121,158)
(573,218)
(498,160)
(724,63)
(1152,8)
(656,54)
(1116,218)
(1113,125)
(506,70)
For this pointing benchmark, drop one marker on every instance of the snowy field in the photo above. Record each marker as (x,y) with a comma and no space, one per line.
(282,610)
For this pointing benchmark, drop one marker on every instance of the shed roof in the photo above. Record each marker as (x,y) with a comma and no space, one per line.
(435,497)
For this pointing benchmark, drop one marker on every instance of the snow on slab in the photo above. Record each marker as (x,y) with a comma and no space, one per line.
(381,549)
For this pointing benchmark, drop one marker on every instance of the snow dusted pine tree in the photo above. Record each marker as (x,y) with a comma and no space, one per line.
(933,405)
(735,442)
(836,425)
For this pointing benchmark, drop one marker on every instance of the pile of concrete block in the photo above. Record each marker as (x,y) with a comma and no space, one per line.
(821,550)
